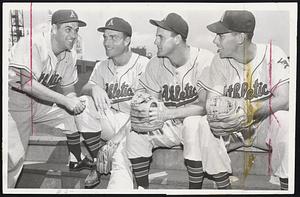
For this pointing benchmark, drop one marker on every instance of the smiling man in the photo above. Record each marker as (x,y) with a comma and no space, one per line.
(36,68)
(110,89)
(256,75)
(171,77)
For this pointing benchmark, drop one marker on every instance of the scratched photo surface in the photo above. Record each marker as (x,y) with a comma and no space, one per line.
(168,98)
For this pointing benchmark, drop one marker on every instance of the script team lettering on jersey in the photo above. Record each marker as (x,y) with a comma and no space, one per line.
(119,93)
(242,90)
(174,95)
(50,80)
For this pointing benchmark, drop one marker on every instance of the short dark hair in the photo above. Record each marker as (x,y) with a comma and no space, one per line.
(58,25)
(125,35)
(248,35)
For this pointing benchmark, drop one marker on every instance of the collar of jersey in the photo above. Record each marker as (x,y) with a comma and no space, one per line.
(189,64)
(54,58)
(126,67)
(256,61)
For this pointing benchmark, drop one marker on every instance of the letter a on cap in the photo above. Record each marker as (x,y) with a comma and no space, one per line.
(72,14)
(111,22)
(222,18)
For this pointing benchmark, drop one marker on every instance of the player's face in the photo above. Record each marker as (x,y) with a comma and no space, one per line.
(115,43)
(165,42)
(66,35)
(227,44)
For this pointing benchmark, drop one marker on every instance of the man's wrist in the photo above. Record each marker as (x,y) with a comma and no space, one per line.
(169,115)
(71,94)
(61,99)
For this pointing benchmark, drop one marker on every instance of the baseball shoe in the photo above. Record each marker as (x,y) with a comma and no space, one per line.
(86,163)
(92,180)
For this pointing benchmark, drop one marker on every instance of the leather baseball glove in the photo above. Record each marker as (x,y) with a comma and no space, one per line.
(104,157)
(226,115)
(139,113)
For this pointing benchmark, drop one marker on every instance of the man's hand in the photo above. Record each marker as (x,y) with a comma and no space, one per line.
(74,104)
(161,112)
(102,102)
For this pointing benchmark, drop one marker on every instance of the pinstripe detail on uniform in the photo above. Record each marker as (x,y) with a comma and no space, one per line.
(194,63)
(163,60)
(130,68)
(264,56)
(70,83)
(109,68)
(200,84)
(20,66)
(147,87)
(234,68)
(281,82)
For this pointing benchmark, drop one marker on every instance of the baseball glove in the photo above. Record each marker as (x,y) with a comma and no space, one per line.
(104,157)
(226,115)
(139,113)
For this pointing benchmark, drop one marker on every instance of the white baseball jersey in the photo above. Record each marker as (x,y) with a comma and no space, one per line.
(253,81)
(46,68)
(177,86)
(120,82)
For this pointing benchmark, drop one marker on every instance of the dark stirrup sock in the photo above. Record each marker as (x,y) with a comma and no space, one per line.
(92,141)
(284,183)
(195,172)
(73,142)
(140,167)
(222,180)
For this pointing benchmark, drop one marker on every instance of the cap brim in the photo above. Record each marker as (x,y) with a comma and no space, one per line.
(80,23)
(218,28)
(102,29)
(160,24)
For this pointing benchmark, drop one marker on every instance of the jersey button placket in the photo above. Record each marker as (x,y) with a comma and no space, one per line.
(177,77)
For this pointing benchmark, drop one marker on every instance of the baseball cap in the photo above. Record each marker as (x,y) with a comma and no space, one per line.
(117,24)
(66,16)
(234,21)
(173,22)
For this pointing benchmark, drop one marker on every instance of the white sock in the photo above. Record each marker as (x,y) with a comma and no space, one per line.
(82,156)
(72,158)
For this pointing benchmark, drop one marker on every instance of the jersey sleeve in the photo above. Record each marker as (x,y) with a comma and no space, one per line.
(22,57)
(213,78)
(148,79)
(97,75)
(70,76)
(280,67)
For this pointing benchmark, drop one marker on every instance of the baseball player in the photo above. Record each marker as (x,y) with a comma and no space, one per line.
(110,89)
(33,75)
(258,73)
(172,78)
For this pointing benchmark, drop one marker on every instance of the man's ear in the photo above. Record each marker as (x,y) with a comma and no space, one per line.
(127,40)
(241,38)
(54,29)
(178,38)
